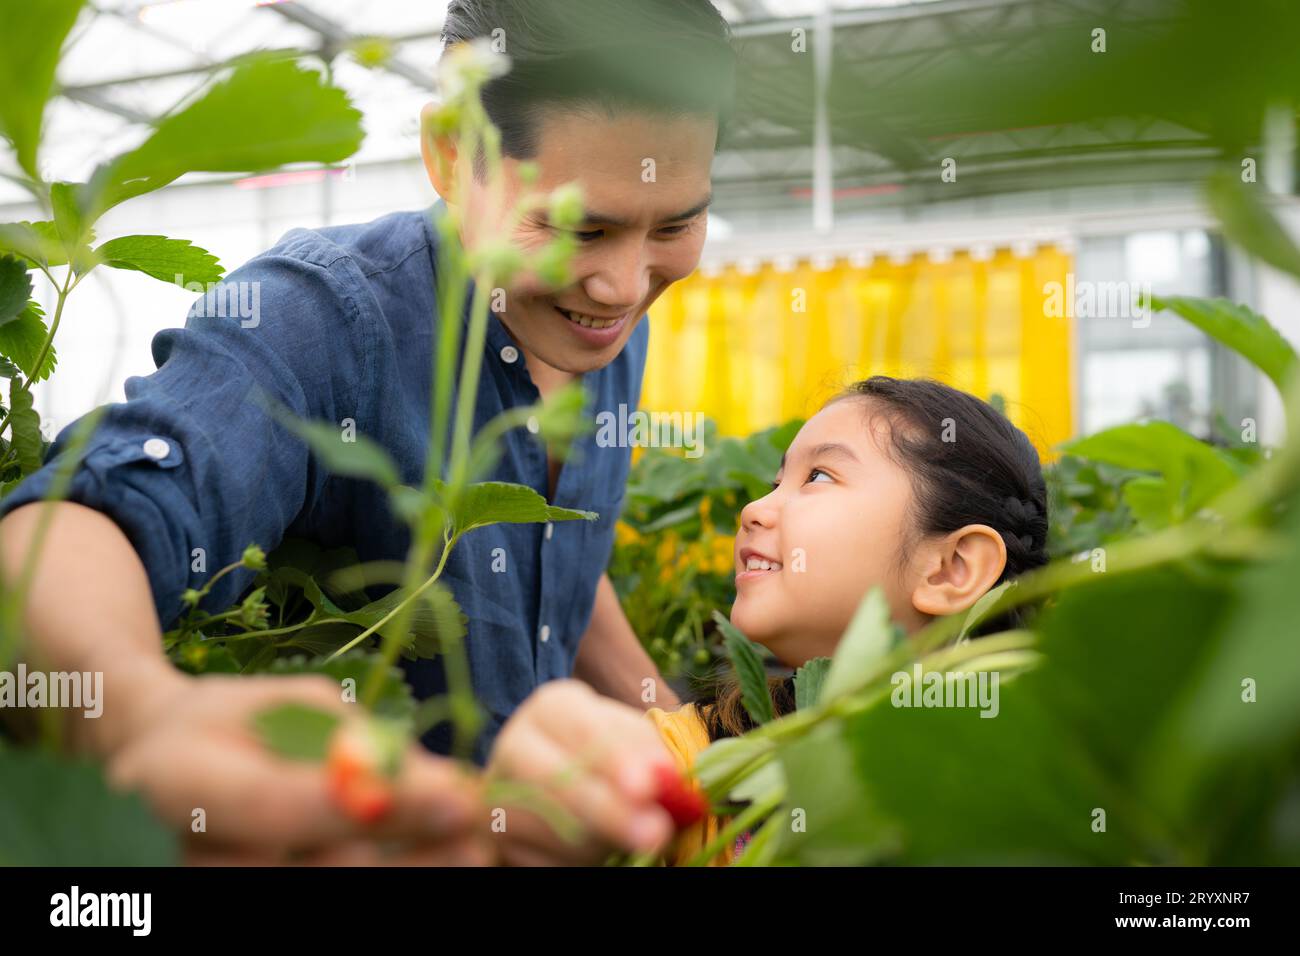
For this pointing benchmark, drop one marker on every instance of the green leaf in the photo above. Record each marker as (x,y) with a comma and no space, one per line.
(296,731)
(866,641)
(171,260)
(1193,471)
(15,288)
(1245,332)
(37,242)
(25,425)
(69,225)
(266,113)
(31,37)
(356,457)
(808,681)
(499,502)
(842,826)
(981,608)
(435,620)
(1250,223)
(60,812)
(749,670)
(21,341)
(1080,733)
(394,699)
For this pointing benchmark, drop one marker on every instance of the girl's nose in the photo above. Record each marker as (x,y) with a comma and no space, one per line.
(759,513)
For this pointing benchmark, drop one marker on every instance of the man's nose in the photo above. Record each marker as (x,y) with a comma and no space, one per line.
(620,278)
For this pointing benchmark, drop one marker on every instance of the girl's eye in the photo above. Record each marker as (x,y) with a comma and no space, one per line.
(817,471)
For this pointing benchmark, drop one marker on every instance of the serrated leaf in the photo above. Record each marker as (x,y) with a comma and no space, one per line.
(170,260)
(434,620)
(296,731)
(31,38)
(266,113)
(808,681)
(1194,472)
(865,642)
(1245,332)
(25,429)
(21,341)
(749,671)
(500,502)
(15,288)
(59,812)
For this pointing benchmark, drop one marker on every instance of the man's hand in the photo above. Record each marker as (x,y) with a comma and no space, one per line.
(593,757)
(189,744)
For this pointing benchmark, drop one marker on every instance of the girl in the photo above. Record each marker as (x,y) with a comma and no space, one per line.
(908,484)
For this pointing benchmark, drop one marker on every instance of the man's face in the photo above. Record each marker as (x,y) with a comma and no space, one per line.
(645,186)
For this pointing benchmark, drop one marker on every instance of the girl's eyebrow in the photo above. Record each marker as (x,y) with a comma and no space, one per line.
(831,449)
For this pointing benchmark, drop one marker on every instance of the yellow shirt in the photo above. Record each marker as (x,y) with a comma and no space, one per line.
(684,733)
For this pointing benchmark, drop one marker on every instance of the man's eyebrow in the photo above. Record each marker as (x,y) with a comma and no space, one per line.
(831,448)
(594,218)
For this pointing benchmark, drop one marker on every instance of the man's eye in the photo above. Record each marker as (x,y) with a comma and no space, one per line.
(673,230)
(590,236)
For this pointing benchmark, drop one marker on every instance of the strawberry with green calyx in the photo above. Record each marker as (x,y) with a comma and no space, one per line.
(363,759)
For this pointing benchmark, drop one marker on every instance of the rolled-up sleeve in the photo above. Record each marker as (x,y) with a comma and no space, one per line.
(194,467)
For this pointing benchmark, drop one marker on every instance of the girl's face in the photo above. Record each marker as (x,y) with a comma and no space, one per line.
(831,528)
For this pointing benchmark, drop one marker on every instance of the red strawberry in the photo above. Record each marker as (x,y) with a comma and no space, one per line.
(684,803)
(356,775)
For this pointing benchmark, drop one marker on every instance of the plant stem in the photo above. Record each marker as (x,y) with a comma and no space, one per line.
(742,822)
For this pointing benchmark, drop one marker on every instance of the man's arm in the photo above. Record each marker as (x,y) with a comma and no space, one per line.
(186,742)
(612,660)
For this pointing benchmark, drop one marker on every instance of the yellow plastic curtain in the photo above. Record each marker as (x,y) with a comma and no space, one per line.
(753,350)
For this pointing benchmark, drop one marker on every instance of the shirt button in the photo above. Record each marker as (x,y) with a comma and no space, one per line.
(550,527)
(157,449)
(509,354)
(546,633)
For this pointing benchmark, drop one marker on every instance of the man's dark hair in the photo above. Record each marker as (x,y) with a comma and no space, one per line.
(672,57)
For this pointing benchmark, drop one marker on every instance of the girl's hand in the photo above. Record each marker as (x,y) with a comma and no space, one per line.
(599,760)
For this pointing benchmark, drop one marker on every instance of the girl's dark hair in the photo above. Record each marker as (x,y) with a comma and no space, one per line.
(968,464)
(660,56)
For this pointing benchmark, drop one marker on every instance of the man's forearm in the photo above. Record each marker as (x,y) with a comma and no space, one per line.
(612,660)
(89,609)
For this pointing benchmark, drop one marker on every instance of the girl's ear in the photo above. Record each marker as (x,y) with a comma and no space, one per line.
(959,568)
(439,154)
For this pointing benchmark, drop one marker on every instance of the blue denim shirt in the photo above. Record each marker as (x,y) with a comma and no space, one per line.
(346,328)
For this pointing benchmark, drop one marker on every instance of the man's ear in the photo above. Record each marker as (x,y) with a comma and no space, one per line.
(439,154)
(959,568)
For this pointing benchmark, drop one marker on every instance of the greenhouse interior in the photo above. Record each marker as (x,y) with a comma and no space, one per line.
(828,347)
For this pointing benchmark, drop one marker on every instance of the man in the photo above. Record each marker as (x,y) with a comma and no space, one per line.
(623,97)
